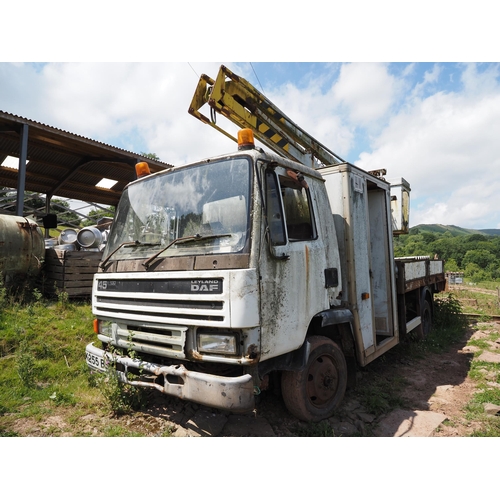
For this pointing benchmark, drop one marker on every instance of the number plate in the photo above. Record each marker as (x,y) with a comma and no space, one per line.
(96,362)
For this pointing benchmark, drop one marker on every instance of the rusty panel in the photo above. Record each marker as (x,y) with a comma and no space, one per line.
(22,246)
(415,270)
(131,266)
(240,261)
(419,273)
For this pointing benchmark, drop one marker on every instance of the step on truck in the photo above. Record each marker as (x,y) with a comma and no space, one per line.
(257,269)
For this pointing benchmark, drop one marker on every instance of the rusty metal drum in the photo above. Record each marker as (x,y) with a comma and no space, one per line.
(22,247)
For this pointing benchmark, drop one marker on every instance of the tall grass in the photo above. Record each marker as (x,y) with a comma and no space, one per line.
(42,356)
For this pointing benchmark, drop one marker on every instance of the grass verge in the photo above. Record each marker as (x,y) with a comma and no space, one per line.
(46,388)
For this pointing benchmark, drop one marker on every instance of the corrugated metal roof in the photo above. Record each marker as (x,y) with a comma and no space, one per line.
(67,165)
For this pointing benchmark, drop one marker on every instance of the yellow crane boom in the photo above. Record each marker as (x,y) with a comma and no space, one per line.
(240,102)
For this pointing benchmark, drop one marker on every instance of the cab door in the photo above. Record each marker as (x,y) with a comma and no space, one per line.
(293,273)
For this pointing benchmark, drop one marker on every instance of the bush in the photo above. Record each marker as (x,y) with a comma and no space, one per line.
(449,324)
(121,398)
(26,366)
(448,313)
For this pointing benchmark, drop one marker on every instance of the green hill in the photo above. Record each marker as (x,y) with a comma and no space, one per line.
(491,232)
(454,230)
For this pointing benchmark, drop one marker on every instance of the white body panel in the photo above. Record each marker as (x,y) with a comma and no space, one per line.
(239,297)
(361,205)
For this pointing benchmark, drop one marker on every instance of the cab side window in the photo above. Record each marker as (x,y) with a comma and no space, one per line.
(297,207)
(274,210)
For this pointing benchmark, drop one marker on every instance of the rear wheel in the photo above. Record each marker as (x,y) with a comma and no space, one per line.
(314,393)
(426,318)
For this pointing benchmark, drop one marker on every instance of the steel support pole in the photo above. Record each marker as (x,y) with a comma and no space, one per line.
(21,176)
(47,211)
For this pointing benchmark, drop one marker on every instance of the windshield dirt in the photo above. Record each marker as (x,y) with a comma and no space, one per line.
(208,202)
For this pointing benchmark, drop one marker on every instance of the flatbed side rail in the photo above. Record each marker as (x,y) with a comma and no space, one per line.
(416,272)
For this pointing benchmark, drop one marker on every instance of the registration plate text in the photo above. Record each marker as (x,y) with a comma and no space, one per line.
(95,361)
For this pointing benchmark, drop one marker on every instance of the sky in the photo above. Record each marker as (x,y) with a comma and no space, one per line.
(436,124)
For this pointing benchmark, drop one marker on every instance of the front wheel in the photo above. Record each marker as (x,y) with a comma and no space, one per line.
(314,393)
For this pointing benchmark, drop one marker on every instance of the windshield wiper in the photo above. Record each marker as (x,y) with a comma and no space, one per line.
(185,239)
(124,244)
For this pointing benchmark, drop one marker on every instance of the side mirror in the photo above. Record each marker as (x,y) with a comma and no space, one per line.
(49,221)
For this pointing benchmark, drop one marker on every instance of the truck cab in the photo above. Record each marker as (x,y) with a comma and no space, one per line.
(212,275)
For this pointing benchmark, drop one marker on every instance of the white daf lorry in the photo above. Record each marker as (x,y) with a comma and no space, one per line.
(227,276)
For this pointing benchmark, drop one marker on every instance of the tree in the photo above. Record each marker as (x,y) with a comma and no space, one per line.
(34,206)
(477,237)
(98,213)
(429,237)
(152,156)
(481,258)
(451,266)
(475,273)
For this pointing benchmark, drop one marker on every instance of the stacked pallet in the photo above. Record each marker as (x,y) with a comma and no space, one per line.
(70,271)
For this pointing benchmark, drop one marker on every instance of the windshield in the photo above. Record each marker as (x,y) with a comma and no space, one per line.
(209,202)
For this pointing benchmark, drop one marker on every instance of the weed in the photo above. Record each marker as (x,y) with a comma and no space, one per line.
(121,398)
(448,313)
(482,371)
(490,395)
(168,432)
(481,343)
(3,293)
(62,299)
(117,431)
(26,367)
(37,296)
(6,433)
(62,398)
(490,430)
(448,423)
(449,324)
(381,395)
(490,425)
(321,429)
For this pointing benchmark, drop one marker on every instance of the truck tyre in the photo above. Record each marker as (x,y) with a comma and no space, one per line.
(426,315)
(313,393)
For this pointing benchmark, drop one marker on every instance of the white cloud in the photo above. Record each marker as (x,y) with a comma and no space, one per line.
(459,210)
(430,77)
(139,107)
(316,113)
(367,90)
(447,147)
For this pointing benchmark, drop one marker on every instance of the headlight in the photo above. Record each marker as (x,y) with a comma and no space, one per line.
(217,344)
(104,328)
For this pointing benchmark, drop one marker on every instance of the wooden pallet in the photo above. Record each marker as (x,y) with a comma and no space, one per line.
(70,271)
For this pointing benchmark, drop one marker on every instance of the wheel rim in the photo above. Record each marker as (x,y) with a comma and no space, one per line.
(427,321)
(322,381)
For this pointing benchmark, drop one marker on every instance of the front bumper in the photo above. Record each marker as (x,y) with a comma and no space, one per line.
(235,394)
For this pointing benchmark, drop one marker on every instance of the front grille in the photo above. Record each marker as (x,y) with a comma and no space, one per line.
(159,314)
(168,340)
(152,315)
(171,299)
(182,304)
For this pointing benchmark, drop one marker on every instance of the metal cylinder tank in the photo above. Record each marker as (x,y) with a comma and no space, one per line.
(90,237)
(22,247)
